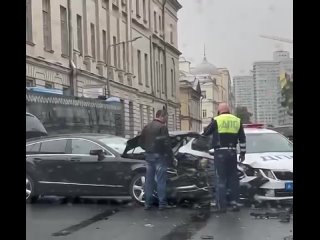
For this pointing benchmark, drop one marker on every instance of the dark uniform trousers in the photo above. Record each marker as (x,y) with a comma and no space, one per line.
(226,176)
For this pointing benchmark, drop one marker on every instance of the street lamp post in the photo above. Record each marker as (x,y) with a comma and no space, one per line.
(108,57)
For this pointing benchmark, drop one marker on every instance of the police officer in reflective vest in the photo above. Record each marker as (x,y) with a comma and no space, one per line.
(227,131)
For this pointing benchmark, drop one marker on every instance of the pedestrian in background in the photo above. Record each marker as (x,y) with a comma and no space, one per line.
(227,131)
(154,139)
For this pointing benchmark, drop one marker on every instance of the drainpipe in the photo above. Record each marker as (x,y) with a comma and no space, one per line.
(165,54)
(73,72)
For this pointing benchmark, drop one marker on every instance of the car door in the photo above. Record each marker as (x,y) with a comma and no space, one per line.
(89,175)
(49,164)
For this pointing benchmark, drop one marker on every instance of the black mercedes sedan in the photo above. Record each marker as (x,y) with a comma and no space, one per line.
(104,165)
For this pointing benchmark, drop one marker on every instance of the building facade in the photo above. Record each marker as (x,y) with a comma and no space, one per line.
(122,48)
(266,92)
(190,99)
(215,84)
(244,92)
(226,88)
(267,89)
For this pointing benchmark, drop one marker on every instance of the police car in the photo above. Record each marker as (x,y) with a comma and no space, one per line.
(267,172)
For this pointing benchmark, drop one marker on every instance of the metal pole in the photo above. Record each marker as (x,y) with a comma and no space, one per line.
(108,81)
(73,79)
(165,55)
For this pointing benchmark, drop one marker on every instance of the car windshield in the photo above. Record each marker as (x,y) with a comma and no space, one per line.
(270,142)
(116,143)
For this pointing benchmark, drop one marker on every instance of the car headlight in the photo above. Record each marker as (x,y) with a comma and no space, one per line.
(249,171)
(268,173)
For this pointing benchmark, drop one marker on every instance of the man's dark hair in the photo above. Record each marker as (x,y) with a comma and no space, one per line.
(161,113)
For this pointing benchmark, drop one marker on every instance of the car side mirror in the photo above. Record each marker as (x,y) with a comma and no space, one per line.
(99,153)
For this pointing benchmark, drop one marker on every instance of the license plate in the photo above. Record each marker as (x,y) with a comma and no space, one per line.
(289,186)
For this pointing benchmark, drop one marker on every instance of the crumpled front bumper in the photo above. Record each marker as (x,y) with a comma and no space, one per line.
(264,189)
(192,184)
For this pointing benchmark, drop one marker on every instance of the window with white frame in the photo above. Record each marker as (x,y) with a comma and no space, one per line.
(155,21)
(46,17)
(146,69)
(93,41)
(204,113)
(104,45)
(64,31)
(139,66)
(138,8)
(144,10)
(28,21)
(79,34)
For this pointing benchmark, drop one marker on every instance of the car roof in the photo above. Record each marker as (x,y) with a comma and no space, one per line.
(93,136)
(258,130)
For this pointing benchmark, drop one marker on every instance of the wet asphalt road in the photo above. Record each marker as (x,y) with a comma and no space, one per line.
(52,218)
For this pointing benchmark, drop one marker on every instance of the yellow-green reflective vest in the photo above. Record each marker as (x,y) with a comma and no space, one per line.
(228,123)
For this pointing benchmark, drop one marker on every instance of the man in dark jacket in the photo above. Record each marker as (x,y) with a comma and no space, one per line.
(227,131)
(154,139)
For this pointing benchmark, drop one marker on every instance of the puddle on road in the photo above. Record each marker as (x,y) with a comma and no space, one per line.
(102,216)
(192,226)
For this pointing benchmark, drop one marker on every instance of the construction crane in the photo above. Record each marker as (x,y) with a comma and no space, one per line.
(277,38)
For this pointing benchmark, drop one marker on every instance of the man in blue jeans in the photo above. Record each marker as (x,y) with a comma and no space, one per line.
(154,139)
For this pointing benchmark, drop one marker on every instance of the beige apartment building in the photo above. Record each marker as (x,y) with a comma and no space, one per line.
(78,45)
(190,98)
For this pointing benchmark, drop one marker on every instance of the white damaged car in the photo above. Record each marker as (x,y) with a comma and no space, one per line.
(267,172)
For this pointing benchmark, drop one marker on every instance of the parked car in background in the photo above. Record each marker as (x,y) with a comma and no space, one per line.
(105,165)
(34,127)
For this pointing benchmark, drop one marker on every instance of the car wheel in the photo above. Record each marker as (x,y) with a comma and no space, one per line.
(137,188)
(30,190)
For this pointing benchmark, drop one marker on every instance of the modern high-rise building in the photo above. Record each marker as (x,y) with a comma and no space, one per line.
(243,92)
(260,91)
(266,97)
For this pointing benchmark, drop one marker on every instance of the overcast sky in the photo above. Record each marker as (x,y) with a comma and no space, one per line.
(230,30)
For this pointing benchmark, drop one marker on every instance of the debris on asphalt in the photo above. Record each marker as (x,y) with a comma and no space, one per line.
(284,216)
(149,225)
(206,237)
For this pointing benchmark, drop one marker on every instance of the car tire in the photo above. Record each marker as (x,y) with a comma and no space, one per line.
(31,197)
(137,188)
